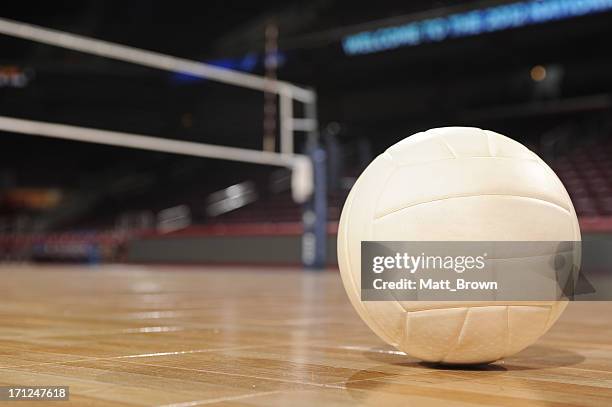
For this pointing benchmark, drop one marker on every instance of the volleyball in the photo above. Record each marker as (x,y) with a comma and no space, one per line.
(455,184)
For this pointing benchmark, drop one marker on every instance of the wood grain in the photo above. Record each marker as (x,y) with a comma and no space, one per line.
(131,336)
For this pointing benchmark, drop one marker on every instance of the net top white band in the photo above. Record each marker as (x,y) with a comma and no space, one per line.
(152,59)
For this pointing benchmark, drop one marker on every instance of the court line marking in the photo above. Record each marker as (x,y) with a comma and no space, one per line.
(187,352)
(221,399)
(153,329)
(108,358)
(330,385)
(367,349)
(334,385)
(94,359)
(142,355)
(147,315)
(84,358)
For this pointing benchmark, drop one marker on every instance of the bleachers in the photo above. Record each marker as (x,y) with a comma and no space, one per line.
(587,174)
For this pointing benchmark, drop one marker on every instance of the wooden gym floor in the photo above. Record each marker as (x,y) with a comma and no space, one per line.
(128,335)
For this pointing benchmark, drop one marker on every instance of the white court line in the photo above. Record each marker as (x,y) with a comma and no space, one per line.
(152,59)
(274,379)
(147,315)
(187,352)
(222,399)
(368,349)
(142,142)
(153,329)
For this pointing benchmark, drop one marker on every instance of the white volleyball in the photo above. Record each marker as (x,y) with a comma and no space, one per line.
(455,184)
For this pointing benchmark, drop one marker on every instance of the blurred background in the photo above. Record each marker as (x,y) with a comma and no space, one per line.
(536,71)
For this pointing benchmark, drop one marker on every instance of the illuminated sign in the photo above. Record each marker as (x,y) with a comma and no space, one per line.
(479,21)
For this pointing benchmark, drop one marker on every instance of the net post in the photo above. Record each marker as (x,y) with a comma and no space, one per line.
(286,121)
(314,215)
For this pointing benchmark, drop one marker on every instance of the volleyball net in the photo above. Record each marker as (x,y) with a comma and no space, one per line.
(306,185)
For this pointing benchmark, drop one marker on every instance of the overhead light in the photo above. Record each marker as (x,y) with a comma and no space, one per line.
(538,73)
